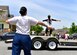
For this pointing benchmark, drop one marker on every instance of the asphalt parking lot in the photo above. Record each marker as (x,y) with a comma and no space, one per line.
(61,51)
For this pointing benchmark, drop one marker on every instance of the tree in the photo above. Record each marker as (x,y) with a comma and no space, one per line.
(73,28)
(38,29)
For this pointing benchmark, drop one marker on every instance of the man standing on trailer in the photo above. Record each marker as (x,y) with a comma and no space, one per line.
(49,23)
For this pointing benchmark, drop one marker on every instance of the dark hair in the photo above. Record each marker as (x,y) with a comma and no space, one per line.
(23,11)
(49,16)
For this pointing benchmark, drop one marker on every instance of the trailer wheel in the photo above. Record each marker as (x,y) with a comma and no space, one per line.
(52,45)
(37,43)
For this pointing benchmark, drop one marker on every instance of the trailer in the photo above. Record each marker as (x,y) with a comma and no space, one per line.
(50,42)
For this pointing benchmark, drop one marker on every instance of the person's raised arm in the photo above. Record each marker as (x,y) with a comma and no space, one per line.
(11,20)
(56,20)
(45,20)
(41,23)
(34,21)
(7,21)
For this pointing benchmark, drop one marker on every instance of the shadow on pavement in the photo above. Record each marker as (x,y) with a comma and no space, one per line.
(59,49)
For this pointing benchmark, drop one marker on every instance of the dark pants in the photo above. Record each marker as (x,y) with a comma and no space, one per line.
(21,42)
(50,31)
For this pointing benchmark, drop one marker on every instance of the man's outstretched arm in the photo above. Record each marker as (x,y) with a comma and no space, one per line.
(55,20)
(41,23)
(45,20)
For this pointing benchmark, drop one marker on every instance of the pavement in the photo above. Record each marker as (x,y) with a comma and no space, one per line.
(72,50)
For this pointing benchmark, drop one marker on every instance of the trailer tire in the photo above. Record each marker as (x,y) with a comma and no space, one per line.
(37,43)
(52,45)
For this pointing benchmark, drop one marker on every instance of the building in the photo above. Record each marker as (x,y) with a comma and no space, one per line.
(60,31)
(4,13)
(12,27)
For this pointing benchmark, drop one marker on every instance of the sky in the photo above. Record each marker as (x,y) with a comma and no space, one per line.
(64,10)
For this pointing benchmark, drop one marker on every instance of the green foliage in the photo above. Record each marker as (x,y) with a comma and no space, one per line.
(73,28)
(36,28)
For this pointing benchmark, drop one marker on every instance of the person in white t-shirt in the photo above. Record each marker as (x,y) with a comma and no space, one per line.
(22,38)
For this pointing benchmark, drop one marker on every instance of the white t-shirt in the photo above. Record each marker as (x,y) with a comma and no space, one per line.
(23,24)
